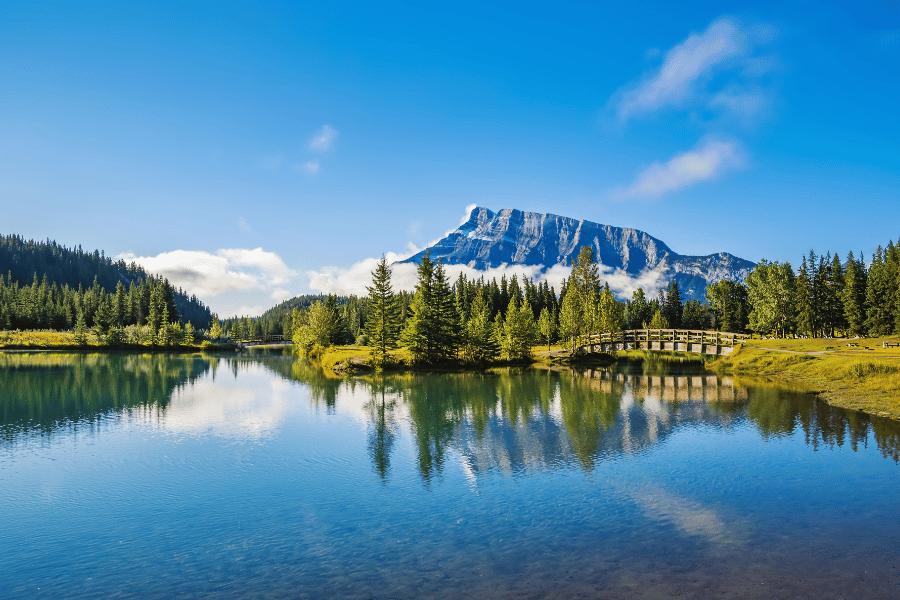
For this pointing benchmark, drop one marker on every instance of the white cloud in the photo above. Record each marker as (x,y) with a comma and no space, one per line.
(279,294)
(323,139)
(709,159)
(242,223)
(229,269)
(354,279)
(310,167)
(689,76)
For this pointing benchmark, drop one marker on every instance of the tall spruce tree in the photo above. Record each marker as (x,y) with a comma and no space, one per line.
(672,307)
(383,321)
(853,296)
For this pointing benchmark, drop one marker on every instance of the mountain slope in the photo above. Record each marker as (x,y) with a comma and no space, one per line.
(511,236)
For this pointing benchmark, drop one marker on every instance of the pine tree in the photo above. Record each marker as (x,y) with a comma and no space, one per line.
(431,323)
(519,331)
(547,326)
(383,323)
(658,321)
(803,301)
(854,296)
(611,313)
(571,318)
(878,313)
(584,284)
(480,338)
(80,329)
(215,330)
(671,306)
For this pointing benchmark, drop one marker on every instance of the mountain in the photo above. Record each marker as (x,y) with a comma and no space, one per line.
(514,237)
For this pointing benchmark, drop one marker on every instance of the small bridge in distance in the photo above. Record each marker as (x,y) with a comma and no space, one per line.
(259,340)
(673,340)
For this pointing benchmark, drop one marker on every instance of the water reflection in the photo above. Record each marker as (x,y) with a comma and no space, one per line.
(46,391)
(516,420)
(507,421)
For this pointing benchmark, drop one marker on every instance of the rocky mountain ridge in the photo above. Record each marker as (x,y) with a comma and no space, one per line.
(491,239)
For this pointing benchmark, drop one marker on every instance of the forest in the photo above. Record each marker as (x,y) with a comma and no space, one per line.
(44,285)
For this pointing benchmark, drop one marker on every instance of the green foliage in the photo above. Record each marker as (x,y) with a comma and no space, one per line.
(547,326)
(658,321)
(770,291)
(316,327)
(383,324)
(480,341)
(431,332)
(518,332)
(729,303)
(63,278)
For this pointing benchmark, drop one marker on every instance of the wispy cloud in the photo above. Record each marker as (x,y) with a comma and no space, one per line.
(323,139)
(229,269)
(709,159)
(244,225)
(310,167)
(688,74)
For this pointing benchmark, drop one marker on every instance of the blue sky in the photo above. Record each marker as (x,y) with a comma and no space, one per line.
(278,148)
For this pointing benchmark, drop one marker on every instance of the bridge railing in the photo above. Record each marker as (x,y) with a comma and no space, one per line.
(645,336)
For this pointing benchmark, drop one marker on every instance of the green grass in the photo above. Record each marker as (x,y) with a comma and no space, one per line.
(48,339)
(859,379)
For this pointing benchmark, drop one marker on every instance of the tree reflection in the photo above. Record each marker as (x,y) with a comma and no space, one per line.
(510,419)
(51,390)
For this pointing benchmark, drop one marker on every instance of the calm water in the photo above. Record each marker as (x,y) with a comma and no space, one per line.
(254,476)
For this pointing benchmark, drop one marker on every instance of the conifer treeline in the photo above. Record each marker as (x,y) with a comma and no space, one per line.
(477,320)
(826,297)
(45,305)
(44,285)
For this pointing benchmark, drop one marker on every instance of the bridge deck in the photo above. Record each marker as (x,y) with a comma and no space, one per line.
(680,340)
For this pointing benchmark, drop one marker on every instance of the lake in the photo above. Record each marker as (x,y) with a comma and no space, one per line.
(256,476)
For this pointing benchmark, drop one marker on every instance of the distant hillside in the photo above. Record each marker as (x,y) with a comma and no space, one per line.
(21,259)
(514,237)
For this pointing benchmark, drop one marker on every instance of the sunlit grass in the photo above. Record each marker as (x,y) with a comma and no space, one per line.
(42,339)
(860,379)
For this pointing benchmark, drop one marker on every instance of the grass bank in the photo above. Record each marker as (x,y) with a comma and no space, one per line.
(855,374)
(66,340)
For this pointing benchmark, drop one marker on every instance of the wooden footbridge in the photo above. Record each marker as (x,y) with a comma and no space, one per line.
(260,340)
(677,340)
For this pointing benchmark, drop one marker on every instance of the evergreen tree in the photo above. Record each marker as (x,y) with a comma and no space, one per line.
(571,318)
(878,313)
(671,306)
(854,296)
(658,321)
(215,330)
(803,301)
(431,330)
(611,311)
(519,331)
(480,338)
(382,325)
(692,315)
(547,326)
(584,285)
(80,329)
